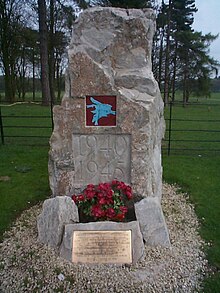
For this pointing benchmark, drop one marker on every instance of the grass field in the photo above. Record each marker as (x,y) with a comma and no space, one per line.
(26,124)
(194,164)
(195,129)
(24,177)
(199,176)
(23,167)
(23,180)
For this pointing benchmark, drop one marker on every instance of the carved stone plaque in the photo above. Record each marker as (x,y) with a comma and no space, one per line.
(101,158)
(93,247)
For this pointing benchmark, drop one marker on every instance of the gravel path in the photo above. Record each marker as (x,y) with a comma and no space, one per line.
(27,266)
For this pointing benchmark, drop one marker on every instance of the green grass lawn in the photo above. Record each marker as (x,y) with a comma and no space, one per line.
(195,171)
(195,127)
(194,164)
(23,159)
(26,124)
(199,176)
(29,97)
(23,180)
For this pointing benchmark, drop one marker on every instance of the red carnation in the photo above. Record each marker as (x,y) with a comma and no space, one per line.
(109,193)
(89,194)
(121,185)
(102,201)
(74,198)
(120,217)
(123,209)
(100,195)
(110,213)
(105,201)
(90,187)
(129,195)
(97,211)
(109,201)
(115,182)
(80,197)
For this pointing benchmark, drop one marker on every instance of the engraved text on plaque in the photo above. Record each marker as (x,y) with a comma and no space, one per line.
(102,247)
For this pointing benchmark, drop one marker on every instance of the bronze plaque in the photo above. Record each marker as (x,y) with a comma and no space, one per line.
(96,247)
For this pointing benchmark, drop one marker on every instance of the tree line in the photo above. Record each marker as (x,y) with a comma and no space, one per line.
(34,35)
(33,39)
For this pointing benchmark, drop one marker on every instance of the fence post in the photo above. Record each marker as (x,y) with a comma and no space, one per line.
(170,128)
(1,127)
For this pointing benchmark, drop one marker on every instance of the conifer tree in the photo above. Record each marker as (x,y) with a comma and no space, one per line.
(43,30)
(10,24)
(121,3)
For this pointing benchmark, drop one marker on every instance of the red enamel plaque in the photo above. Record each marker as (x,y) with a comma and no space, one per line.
(101,111)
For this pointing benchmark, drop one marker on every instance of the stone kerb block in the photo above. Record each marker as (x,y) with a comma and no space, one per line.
(136,236)
(152,223)
(56,213)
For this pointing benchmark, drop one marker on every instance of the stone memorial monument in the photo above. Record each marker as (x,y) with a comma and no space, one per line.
(110,123)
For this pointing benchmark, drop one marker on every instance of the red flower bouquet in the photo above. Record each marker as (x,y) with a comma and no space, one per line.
(105,201)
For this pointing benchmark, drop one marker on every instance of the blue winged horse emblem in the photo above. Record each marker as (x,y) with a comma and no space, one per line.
(101,110)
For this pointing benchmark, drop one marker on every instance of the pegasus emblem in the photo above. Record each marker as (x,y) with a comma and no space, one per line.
(101,110)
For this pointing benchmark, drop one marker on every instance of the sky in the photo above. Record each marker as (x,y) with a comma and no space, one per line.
(207,20)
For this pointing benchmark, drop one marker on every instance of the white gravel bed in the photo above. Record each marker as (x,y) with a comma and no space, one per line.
(27,266)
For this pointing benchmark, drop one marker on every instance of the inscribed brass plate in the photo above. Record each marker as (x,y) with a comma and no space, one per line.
(96,247)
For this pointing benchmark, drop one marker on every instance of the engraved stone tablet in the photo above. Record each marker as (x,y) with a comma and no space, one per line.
(92,247)
(101,158)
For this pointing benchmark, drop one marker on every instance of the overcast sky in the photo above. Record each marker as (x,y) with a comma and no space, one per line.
(207,20)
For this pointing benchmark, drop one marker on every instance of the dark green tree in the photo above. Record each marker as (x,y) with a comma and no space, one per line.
(26,61)
(43,31)
(51,49)
(10,27)
(183,18)
(173,41)
(139,4)
(158,44)
(123,3)
(196,78)
(60,21)
(167,53)
(58,18)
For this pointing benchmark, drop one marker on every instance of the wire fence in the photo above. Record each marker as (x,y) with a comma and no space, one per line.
(190,130)
(193,129)
(26,123)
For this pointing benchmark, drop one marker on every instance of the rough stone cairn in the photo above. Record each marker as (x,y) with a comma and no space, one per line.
(110,55)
